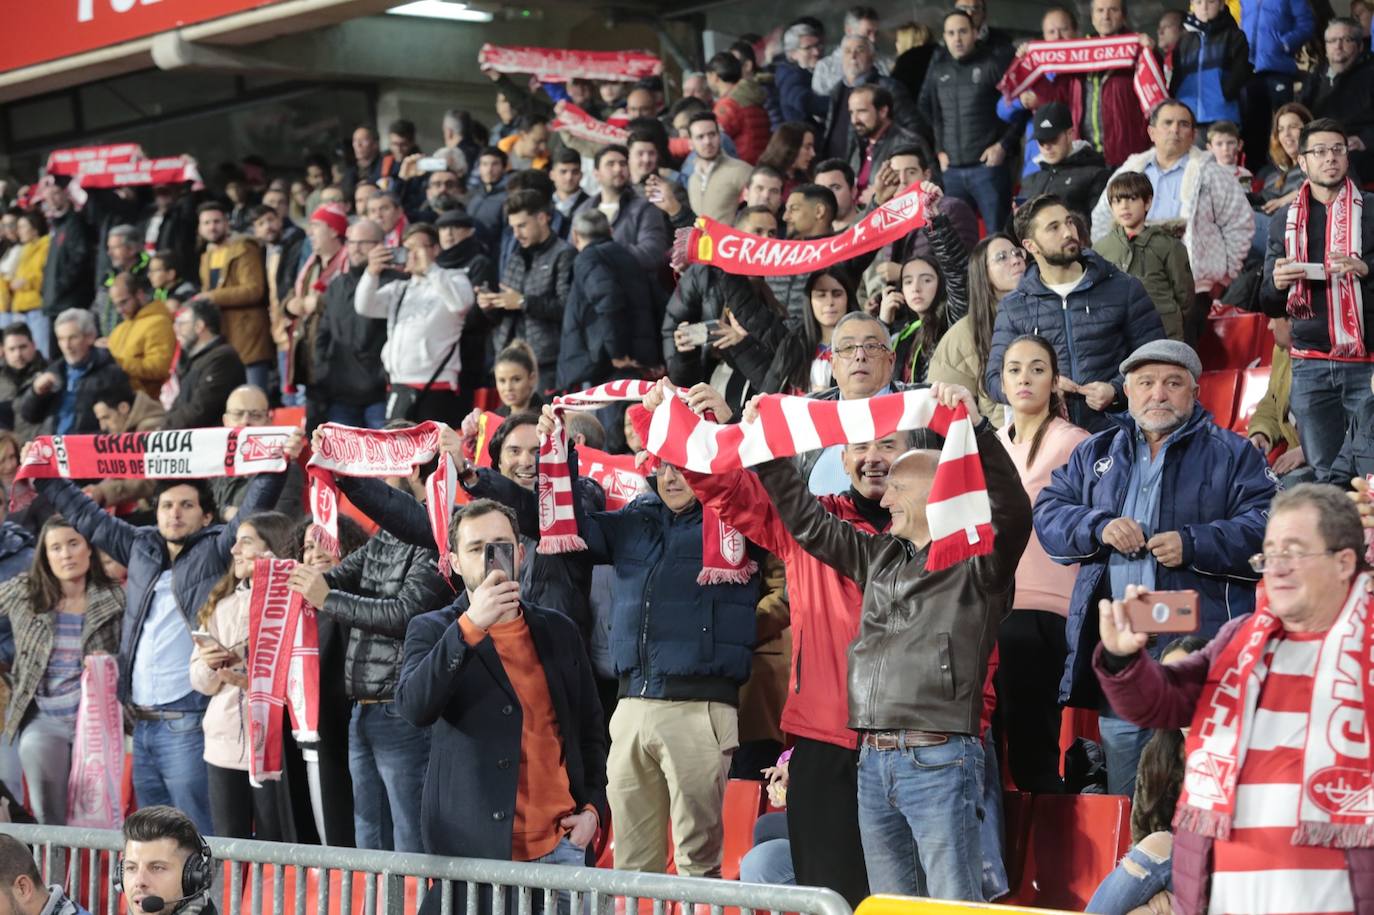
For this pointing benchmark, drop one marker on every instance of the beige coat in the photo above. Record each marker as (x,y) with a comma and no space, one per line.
(955,361)
(226,718)
(718,197)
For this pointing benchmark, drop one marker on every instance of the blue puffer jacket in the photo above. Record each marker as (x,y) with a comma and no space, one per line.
(1215,492)
(1275,30)
(198,567)
(1211,66)
(671,638)
(16,555)
(1109,314)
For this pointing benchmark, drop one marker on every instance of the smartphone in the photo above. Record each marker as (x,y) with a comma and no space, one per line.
(500,555)
(1312,271)
(432,164)
(398,255)
(206,640)
(699,334)
(1164,611)
(654,193)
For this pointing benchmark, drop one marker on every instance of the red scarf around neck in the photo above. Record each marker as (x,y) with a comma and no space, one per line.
(1344,296)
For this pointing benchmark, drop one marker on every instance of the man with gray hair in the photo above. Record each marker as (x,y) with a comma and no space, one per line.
(1168,500)
(694,86)
(610,319)
(802,47)
(62,398)
(858,20)
(857,68)
(124,245)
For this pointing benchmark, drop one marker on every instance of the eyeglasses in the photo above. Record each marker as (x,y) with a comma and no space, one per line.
(1344,39)
(1336,149)
(250,415)
(871,350)
(1002,257)
(1278,562)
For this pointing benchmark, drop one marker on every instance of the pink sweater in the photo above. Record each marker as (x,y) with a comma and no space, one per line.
(1042,583)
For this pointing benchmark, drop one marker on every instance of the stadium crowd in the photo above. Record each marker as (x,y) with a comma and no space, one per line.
(1074,247)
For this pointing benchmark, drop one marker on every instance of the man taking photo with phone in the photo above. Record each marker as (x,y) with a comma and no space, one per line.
(518,762)
(1170,501)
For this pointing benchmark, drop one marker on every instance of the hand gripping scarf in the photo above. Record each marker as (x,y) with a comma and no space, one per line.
(179,454)
(96,781)
(724,556)
(1088,55)
(1336,805)
(1344,298)
(585,127)
(745,254)
(958,512)
(376,453)
(556,65)
(283,667)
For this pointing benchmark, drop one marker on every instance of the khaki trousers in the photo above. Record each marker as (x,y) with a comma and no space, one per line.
(668,764)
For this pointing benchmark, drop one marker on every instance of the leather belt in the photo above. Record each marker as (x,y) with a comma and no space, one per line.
(898,740)
(143,713)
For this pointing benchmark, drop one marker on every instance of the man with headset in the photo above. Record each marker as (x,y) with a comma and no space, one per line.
(166,866)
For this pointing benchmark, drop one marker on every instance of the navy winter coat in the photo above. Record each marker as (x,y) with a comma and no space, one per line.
(795,98)
(613,311)
(1215,492)
(198,567)
(1108,315)
(1211,66)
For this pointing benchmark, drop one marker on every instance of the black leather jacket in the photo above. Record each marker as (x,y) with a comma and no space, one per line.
(376,591)
(921,654)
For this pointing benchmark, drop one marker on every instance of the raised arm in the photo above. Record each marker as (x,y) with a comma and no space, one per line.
(836,543)
(103,530)
(398,513)
(424,590)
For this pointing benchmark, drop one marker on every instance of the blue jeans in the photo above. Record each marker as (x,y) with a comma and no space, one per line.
(1325,395)
(768,862)
(568,855)
(919,819)
(297,397)
(372,416)
(1125,890)
(986,188)
(39,325)
(1122,743)
(259,375)
(387,757)
(169,767)
(990,833)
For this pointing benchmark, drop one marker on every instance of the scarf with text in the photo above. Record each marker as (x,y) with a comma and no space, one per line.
(96,780)
(556,65)
(958,512)
(118,165)
(724,556)
(379,453)
(1344,298)
(745,254)
(1336,803)
(194,453)
(580,124)
(283,667)
(1088,55)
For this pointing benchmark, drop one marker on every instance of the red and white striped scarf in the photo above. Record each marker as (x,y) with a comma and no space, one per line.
(283,658)
(1344,300)
(580,124)
(556,65)
(724,555)
(1336,805)
(1088,55)
(95,783)
(379,453)
(958,512)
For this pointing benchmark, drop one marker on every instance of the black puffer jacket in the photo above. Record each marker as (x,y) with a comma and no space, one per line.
(1107,316)
(348,347)
(69,274)
(611,313)
(959,101)
(543,275)
(376,592)
(1079,180)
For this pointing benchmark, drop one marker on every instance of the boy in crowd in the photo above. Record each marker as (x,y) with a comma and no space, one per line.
(1225,145)
(1148,253)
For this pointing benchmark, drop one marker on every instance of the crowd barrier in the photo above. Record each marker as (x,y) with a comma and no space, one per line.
(322,880)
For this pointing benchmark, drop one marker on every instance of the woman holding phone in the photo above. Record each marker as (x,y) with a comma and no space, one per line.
(62,609)
(218,670)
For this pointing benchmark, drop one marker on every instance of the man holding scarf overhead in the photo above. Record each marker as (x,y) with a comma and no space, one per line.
(1275,812)
(1318,263)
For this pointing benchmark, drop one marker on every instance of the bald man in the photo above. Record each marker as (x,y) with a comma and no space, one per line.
(247,406)
(917,666)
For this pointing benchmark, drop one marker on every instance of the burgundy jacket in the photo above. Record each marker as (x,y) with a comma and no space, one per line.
(1122,123)
(1152,695)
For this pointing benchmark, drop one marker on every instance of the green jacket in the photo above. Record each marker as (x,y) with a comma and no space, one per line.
(1160,262)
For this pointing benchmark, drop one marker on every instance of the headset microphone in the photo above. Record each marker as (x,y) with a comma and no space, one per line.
(152,904)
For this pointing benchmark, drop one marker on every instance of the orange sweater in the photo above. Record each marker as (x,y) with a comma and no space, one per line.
(543,797)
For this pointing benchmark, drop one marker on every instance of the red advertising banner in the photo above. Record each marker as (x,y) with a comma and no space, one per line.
(69,27)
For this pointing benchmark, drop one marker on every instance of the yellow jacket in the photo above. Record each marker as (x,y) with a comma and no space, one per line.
(1271,416)
(143,346)
(33,257)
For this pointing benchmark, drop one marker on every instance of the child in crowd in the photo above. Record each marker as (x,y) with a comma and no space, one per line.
(1226,146)
(167,285)
(1211,63)
(1148,253)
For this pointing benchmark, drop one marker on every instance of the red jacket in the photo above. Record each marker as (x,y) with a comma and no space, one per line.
(1121,123)
(741,115)
(825,606)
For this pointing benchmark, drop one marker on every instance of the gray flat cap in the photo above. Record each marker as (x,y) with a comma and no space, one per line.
(1171,352)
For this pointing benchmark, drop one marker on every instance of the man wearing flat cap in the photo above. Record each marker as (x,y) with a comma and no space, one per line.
(1168,500)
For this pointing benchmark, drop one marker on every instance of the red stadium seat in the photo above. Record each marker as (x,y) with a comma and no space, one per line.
(1073,842)
(1217,393)
(744,799)
(1233,341)
(288,416)
(1253,384)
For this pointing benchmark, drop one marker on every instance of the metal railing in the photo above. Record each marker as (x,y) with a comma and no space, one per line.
(495,886)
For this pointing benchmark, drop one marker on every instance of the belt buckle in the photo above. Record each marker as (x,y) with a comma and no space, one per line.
(884,740)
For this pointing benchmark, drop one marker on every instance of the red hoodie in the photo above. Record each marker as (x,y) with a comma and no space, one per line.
(825,606)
